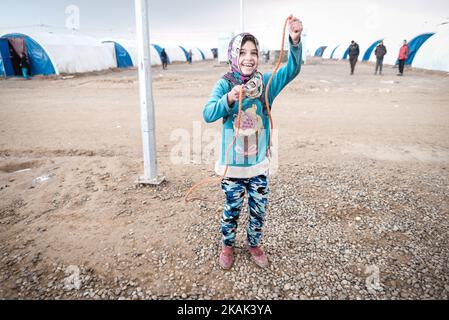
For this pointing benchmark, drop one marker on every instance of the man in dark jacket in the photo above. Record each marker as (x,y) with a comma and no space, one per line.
(380,52)
(164,59)
(354,52)
(190,55)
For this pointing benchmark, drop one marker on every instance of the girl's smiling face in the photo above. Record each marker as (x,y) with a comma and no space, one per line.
(248,58)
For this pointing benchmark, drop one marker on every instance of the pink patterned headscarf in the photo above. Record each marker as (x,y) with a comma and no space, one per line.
(235,76)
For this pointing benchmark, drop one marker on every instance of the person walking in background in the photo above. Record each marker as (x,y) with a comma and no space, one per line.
(190,56)
(164,59)
(403,55)
(354,52)
(380,52)
(24,65)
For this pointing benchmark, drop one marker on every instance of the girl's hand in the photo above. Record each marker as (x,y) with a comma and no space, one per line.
(295,29)
(233,95)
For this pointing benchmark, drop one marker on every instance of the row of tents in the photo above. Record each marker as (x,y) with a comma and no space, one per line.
(53,53)
(427,51)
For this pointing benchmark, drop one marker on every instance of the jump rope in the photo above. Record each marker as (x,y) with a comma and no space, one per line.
(215,180)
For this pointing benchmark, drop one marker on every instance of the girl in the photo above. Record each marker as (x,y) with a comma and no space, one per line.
(247,159)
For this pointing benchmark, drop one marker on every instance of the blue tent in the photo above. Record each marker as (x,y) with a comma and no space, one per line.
(202,54)
(40,62)
(415,44)
(2,68)
(159,51)
(6,68)
(122,55)
(319,52)
(333,51)
(368,51)
(345,56)
(185,52)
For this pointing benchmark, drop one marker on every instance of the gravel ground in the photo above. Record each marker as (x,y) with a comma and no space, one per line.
(332,232)
(358,209)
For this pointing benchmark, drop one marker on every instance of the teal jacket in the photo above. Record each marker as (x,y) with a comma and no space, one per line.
(251,145)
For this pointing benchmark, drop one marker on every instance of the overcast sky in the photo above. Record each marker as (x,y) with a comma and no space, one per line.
(201,21)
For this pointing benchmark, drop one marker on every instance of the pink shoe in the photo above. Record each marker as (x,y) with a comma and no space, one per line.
(226,257)
(258,256)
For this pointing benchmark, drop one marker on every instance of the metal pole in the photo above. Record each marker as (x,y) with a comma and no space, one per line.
(146,95)
(242,25)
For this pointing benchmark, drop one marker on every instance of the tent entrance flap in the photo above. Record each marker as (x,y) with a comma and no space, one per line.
(16,49)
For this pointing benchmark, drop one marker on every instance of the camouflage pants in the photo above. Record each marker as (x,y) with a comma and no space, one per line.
(234,189)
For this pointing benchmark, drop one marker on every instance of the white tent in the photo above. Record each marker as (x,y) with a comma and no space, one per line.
(318,50)
(434,53)
(370,50)
(393,43)
(340,51)
(65,52)
(175,53)
(196,54)
(130,46)
(364,44)
(207,53)
(327,53)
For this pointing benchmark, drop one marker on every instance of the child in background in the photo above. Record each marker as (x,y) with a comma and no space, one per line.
(24,65)
(248,160)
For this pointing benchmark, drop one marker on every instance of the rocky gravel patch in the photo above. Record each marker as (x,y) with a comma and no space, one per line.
(331,232)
